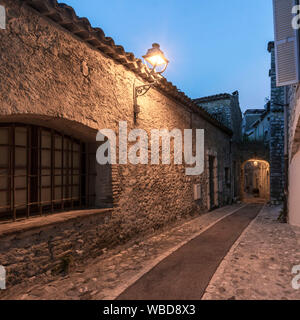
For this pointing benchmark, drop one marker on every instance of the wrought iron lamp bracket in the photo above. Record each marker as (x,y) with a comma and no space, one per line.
(138,92)
(142,90)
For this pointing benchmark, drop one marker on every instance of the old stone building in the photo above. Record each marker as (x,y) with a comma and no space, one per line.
(277,102)
(256,125)
(226,109)
(263,140)
(61,81)
(250,116)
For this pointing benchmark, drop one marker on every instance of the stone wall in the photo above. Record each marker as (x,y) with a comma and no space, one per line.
(294,120)
(53,244)
(294,155)
(294,186)
(277,101)
(221,109)
(226,108)
(254,150)
(50,76)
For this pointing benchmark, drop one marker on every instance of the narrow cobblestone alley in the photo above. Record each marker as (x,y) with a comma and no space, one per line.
(185,274)
(269,245)
(149,161)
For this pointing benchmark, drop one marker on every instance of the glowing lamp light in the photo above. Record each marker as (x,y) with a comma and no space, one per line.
(156,58)
(255,163)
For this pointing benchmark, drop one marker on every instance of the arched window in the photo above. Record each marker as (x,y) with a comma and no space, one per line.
(41,170)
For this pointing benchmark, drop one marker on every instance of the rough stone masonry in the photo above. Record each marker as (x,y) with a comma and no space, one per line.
(277,99)
(57,72)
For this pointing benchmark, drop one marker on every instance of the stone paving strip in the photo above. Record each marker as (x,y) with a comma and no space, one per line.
(259,265)
(186,273)
(110,274)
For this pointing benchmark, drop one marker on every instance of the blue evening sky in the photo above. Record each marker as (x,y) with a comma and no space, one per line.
(213,46)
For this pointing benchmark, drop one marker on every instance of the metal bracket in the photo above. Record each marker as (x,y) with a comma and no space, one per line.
(138,92)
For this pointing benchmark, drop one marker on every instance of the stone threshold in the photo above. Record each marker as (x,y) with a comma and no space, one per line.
(12,228)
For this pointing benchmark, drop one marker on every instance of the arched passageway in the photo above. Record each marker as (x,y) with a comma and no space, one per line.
(255,181)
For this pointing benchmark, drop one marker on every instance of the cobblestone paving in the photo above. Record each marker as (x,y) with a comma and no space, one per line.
(259,265)
(107,276)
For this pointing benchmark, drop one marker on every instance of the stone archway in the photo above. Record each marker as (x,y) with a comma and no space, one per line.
(255,181)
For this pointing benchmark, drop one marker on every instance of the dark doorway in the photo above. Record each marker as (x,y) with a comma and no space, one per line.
(211,182)
(235,188)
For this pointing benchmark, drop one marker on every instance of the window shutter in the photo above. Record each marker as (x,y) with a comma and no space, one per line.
(286,43)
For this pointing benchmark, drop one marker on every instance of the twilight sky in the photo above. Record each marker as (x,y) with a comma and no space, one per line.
(213,46)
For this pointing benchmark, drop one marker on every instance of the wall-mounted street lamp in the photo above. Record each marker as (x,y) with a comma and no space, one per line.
(157,63)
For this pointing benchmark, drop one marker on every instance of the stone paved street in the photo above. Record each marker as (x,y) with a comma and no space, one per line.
(270,246)
(259,265)
(185,274)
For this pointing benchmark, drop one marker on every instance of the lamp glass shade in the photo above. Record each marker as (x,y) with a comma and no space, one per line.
(155,57)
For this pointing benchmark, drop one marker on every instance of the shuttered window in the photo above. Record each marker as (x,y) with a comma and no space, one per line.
(286,43)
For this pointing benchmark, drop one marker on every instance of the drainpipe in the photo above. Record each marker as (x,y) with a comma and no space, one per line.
(286,154)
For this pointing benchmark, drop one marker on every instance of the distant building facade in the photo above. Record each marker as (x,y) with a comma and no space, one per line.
(263,131)
(226,109)
(256,125)
(250,117)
